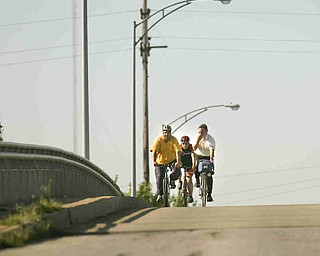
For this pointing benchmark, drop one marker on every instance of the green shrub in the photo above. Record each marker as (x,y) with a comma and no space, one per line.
(177,201)
(145,193)
(28,223)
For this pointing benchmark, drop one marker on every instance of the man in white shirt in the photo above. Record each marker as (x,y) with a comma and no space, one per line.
(204,148)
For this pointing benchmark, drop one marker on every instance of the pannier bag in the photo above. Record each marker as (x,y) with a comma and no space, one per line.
(205,166)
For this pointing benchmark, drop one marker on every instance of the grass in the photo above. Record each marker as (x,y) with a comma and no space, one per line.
(28,222)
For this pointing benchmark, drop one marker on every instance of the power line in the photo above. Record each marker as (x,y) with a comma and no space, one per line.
(240,39)
(271,195)
(59,58)
(63,46)
(243,50)
(256,13)
(185,49)
(133,11)
(267,187)
(64,19)
(170,37)
(268,172)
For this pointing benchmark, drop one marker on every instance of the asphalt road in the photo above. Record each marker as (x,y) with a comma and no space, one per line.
(259,230)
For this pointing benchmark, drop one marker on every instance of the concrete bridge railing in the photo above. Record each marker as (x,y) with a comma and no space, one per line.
(24,168)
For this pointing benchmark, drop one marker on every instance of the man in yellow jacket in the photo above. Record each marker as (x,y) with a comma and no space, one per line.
(166,150)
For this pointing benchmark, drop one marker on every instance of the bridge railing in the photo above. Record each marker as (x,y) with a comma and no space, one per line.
(24,168)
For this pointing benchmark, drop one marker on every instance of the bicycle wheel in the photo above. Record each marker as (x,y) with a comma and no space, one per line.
(203,190)
(166,191)
(185,192)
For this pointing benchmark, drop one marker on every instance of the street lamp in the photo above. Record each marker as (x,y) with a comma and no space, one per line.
(145,50)
(199,111)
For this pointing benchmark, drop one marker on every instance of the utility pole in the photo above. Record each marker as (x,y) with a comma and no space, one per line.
(75,80)
(145,12)
(85,79)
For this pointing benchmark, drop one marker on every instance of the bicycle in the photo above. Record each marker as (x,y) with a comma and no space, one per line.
(206,170)
(166,183)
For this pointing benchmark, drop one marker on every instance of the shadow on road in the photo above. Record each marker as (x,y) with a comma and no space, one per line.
(103,224)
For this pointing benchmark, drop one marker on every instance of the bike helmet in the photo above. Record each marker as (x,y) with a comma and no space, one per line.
(166,127)
(185,139)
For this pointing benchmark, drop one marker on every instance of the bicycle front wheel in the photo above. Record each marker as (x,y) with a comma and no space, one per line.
(204,190)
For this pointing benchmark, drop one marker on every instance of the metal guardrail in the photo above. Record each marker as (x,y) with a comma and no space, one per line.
(24,168)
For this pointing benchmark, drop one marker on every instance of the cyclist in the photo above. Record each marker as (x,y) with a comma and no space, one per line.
(166,150)
(204,148)
(187,159)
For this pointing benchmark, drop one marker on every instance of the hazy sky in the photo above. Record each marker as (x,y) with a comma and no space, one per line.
(263,55)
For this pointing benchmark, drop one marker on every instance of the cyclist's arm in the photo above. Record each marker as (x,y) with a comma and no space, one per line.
(193,160)
(154,157)
(197,142)
(178,157)
(211,154)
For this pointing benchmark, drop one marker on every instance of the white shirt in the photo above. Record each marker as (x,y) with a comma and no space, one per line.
(205,144)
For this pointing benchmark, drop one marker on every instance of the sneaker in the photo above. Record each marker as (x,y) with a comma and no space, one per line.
(190,200)
(172,184)
(197,184)
(180,185)
(209,198)
(159,198)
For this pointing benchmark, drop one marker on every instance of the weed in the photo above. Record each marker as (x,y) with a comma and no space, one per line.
(28,223)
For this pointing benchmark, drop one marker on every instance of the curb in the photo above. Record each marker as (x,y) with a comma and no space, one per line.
(85,210)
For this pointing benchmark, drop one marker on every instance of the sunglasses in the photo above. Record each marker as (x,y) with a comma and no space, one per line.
(185,143)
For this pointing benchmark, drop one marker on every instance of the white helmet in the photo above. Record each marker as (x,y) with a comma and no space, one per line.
(166,127)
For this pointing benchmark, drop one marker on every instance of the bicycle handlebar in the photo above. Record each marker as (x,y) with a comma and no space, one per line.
(165,165)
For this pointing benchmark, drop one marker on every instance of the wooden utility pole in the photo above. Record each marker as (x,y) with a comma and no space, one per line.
(145,12)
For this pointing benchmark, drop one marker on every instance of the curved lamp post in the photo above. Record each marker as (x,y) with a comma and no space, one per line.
(145,48)
(199,111)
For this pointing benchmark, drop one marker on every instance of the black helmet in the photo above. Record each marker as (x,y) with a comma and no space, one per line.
(166,127)
(185,139)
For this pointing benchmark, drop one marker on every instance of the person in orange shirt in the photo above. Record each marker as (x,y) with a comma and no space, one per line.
(166,150)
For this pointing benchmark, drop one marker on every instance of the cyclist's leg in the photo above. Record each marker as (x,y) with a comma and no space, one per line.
(210,183)
(197,176)
(159,172)
(189,181)
(175,175)
(180,181)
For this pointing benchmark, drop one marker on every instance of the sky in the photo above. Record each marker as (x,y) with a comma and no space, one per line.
(263,55)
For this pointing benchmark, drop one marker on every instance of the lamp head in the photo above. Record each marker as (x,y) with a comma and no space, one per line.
(234,107)
(225,1)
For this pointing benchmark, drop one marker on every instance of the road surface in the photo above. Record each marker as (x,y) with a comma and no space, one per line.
(248,230)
